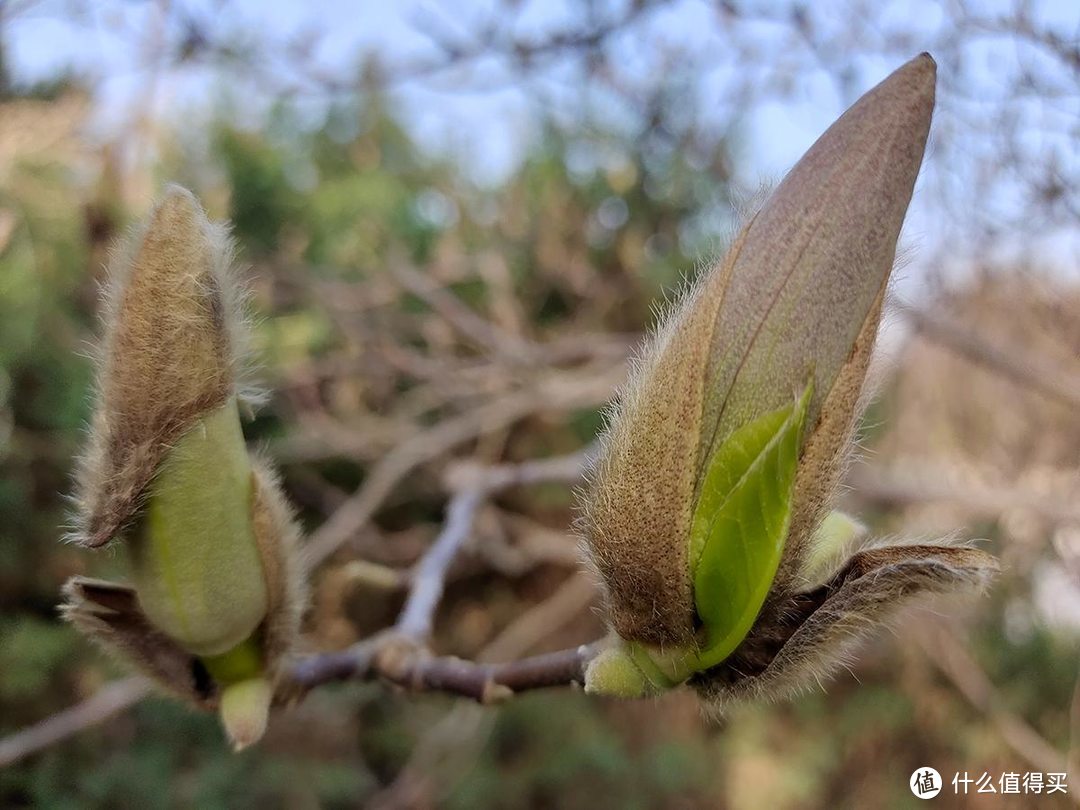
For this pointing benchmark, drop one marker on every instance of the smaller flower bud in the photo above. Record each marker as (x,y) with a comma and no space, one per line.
(219,585)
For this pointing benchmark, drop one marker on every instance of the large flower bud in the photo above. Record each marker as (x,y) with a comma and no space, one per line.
(723,452)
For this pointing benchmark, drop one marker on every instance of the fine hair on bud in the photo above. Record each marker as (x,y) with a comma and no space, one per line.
(277,536)
(173,347)
(707,516)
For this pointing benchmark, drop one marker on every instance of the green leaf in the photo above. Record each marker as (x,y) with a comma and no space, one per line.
(741,523)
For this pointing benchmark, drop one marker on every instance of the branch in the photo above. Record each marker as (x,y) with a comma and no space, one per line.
(429,578)
(400,661)
(575,594)
(451,744)
(105,703)
(400,655)
(561,391)
(1028,370)
(950,654)
(920,484)
(483,333)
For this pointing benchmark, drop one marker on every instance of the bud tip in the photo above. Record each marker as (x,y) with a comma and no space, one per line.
(245,707)
(614,673)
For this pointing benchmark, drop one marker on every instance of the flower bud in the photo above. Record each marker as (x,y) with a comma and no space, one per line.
(724,451)
(218,584)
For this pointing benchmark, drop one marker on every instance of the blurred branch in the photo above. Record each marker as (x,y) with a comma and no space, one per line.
(541,620)
(1027,370)
(557,392)
(401,655)
(927,483)
(947,651)
(448,747)
(429,578)
(105,703)
(480,331)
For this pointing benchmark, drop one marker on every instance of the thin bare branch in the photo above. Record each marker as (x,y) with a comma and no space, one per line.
(541,620)
(399,661)
(483,333)
(1028,370)
(400,655)
(557,392)
(429,578)
(492,478)
(929,483)
(108,701)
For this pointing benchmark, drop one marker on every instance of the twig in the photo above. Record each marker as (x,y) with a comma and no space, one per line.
(483,333)
(400,655)
(557,392)
(400,662)
(429,577)
(405,457)
(106,702)
(453,741)
(491,478)
(934,484)
(541,620)
(1028,370)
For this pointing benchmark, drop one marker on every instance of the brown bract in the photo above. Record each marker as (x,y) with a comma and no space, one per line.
(109,614)
(798,296)
(169,354)
(818,628)
(277,535)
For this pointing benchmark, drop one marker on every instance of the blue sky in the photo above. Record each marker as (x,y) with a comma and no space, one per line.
(116,44)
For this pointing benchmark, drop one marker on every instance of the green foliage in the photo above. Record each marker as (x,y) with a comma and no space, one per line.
(561,750)
(262,202)
(741,522)
(31,653)
(195,768)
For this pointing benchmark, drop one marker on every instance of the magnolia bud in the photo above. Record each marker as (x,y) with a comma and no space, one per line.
(218,584)
(724,452)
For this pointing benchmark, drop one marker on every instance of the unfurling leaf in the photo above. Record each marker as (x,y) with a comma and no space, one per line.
(741,523)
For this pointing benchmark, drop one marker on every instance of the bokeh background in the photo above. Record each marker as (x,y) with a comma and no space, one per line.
(457,219)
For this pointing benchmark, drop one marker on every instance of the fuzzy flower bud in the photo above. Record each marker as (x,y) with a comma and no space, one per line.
(218,584)
(724,452)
